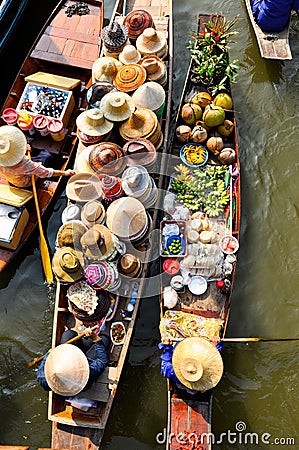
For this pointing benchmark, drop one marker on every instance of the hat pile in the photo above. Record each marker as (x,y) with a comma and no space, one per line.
(152,42)
(98,243)
(93,212)
(86,303)
(83,187)
(143,123)
(150,95)
(105,69)
(13,145)
(140,151)
(71,212)
(129,265)
(136,22)
(129,55)
(117,106)
(102,275)
(127,218)
(114,38)
(67,264)
(129,77)
(70,233)
(155,68)
(92,126)
(103,158)
(112,188)
(137,183)
(96,92)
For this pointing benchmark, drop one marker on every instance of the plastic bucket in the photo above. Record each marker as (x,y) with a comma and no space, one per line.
(56,129)
(40,123)
(10,116)
(25,122)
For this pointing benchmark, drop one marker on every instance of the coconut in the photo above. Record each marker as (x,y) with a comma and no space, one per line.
(191,113)
(202,99)
(224,100)
(227,156)
(226,128)
(183,133)
(199,134)
(213,115)
(215,145)
(206,236)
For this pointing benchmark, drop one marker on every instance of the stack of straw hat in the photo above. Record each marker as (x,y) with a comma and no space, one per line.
(105,68)
(99,244)
(92,127)
(143,123)
(112,188)
(150,95)
(152,42)
(141,152)
(102,275)
(114,37)
(136,22)
(155,68)
(67,264)
(129,77)
(96,92)
(129,55)
(137,183)
(117,106)
(83,187)
(129,265)
(70,233)
(103,158)
(93,212)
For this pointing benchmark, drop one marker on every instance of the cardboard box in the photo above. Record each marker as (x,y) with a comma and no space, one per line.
(49,101)
(13,223)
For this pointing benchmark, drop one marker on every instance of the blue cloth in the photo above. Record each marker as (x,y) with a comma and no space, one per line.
(273,15)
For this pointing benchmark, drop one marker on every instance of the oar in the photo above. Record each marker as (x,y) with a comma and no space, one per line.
(258,339)
(70,341)
(46,261)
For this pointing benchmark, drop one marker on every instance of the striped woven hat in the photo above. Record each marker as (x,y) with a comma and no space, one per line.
(114,36)
(129,77)
(136,22)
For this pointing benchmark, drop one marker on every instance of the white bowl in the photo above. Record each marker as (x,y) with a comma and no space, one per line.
(121,326)
(197,285)
(234,244)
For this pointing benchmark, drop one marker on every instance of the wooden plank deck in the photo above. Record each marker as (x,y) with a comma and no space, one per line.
(64,43)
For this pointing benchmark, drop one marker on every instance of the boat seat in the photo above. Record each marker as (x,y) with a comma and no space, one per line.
(100,390)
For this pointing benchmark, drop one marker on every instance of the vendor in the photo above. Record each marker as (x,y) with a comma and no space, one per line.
(273,15)
(15,166)
(69,369)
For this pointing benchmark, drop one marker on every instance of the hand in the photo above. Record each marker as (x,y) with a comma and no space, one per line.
(90,333)
(69,172)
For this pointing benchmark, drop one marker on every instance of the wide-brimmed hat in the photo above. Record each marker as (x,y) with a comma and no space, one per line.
(129,55)
(101,275)
(97,242)
(13,145)
(71,212)
(117,106)
(136,22)
(93,123)
(70,233)
(66,370)
(135,181)
(197,363)
(139,151)
(96,92)
(93,212)
(126,217)
(105,157)
(129,265)
(83,187)
(67,264)
(105,69)
(151,41)
(129,77)
(150,95)
(140,124)
(114,35)
(155,68)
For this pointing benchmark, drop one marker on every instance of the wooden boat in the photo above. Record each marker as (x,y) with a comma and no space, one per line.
(272,45)
(10,14)
(71,427)
(51,63)
(189,415)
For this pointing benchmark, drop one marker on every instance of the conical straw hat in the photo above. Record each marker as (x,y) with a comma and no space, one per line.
(129,77)
(140,124)
(126,217)
(197,363)
(129,55)
(117,106)
(150,95)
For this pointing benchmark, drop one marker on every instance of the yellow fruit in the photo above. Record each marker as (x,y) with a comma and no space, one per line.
(224,100)
(226,128)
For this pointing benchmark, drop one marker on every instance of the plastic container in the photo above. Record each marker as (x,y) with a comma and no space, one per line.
(40,123)
(56,129)
(25,122)
(10,116)
(180,241)
(194,145)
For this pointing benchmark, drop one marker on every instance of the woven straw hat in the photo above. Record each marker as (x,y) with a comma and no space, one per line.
(129,265)
(129,55)
(93,212)
(67,264)
(96,92)
(83,187)
(66,370)
(129,77)
(70,233)
(135,181)
(151,41)
(136,22)
(71,212)
(140,124)
(105,68)
(117,106)
(114,36)
(86,303)
(126,217)
(93,123)
(13,145)
(105,157)
(139,151)
(150,95)
(197,363)
(155,68)
(97,242)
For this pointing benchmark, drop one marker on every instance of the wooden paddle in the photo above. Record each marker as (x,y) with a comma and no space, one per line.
(258,339)
(70,341)
(45,256)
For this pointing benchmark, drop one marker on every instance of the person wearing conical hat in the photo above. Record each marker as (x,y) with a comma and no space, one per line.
(15,166)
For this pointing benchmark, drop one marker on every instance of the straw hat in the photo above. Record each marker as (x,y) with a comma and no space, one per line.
(67,264)
(151,41)
(101,275)
(96,92)
(135,181)
(83,187)
(66,370)
(129,77)
(150,95)
(126,217)
(139,151)
(97,242)
(197,363)
(105,157)
(114,36)
(155,68)
(129,265)
(129,55)
(13,145)
(71,212)
(93,123)
(136,22)
(93,212)
(140,124)
(105,68)
(70,233)
(117,106)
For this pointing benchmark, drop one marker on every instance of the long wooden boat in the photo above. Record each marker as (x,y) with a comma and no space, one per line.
(189,414)
(61,58)
(272,45)
(10,14)
(71,427)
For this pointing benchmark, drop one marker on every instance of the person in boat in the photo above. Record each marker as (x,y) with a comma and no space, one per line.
(273,15)
(194,364)
(71,368)
(16,167)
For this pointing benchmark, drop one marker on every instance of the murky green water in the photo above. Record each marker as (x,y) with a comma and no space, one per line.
(260,386)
